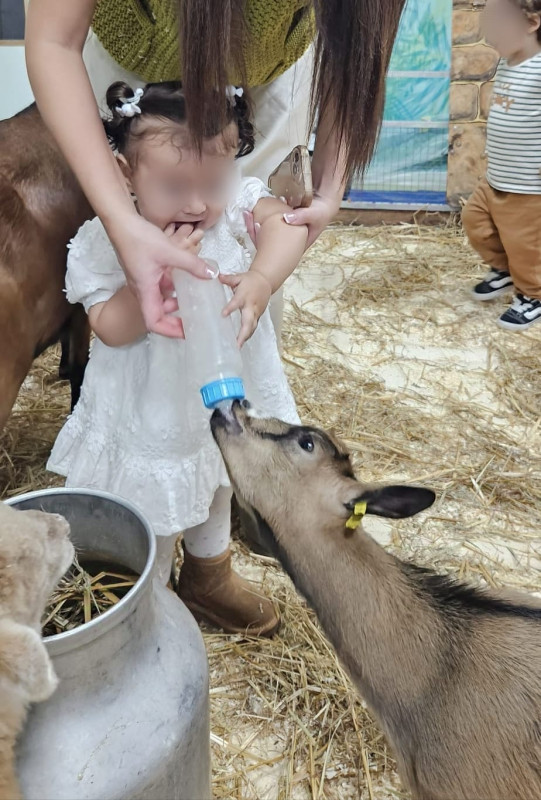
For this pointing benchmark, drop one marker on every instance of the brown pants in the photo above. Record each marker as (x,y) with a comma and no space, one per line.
(505,229)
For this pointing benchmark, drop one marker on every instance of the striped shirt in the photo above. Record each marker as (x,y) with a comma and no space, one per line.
(514,128)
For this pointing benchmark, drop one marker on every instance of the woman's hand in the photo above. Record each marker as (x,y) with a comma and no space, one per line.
(329,179)
(317,216)
(147,255)
(252,295)
(252,227)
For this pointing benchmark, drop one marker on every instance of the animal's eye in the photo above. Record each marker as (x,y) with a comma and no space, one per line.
(307,443)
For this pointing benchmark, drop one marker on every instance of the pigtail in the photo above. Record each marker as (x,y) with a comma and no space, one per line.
(166,100)
(242,112)
(117,126)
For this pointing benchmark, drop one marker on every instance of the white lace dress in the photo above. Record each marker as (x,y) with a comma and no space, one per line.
(140,429)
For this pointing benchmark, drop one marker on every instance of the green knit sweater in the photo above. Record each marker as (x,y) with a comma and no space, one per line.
(142,36)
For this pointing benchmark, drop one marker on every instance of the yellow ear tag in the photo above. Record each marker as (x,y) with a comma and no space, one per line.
(358,513)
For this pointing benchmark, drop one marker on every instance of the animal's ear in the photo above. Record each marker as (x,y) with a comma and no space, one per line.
(25,661)
(395,502)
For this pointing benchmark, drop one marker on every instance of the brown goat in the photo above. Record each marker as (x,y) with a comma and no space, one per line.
(452,673)
(41,208)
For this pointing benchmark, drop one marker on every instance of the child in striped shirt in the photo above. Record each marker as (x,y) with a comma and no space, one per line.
(503,216)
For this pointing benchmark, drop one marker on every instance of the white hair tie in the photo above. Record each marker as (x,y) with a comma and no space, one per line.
(130,105)
(233,91)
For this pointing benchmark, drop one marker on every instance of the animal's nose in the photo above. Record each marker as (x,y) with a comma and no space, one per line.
(225,417)
(236,406)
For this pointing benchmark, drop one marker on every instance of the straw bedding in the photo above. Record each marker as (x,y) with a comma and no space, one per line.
(384,345)
(84,593)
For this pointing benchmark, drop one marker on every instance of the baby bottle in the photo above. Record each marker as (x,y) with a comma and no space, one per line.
(212,353)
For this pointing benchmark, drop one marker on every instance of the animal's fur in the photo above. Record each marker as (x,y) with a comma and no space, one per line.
(452,673)
(35,551)
(41,208)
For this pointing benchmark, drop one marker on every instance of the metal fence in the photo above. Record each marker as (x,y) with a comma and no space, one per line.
(409,169)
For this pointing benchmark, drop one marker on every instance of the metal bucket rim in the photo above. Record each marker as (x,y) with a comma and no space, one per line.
(113,616)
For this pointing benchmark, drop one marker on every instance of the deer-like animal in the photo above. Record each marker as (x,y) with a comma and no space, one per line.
(452,672)
(41,208)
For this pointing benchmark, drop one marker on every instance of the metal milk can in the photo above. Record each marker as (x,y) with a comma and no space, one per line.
(130,717)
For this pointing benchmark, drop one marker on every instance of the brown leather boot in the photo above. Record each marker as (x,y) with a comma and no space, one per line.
(214,593)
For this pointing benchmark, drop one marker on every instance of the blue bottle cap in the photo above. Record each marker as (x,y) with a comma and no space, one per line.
(225,389)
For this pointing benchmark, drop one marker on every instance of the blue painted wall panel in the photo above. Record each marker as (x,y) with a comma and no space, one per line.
(411,155)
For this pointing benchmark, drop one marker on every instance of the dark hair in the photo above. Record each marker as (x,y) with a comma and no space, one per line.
(530,7)
(166,101)
(352,51)
(354,43)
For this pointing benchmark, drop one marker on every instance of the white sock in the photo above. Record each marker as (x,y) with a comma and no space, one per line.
(211,538)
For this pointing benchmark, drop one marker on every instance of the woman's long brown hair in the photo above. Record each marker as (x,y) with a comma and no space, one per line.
(353,47)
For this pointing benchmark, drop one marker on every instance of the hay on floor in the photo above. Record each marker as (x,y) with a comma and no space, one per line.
(383,344)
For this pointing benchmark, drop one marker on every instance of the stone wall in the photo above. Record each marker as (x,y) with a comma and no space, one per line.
(472,71)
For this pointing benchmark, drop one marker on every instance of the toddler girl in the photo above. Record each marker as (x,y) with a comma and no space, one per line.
(140,429)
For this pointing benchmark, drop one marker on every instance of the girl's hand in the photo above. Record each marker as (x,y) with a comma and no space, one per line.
(147,255)
(252,295)
(317,216)
(186,237)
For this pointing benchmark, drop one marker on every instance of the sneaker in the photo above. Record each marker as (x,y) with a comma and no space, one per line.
(524,312)
(495,283)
